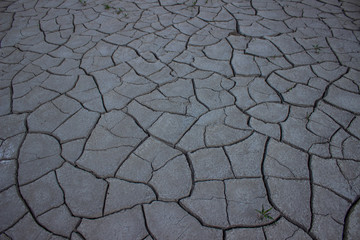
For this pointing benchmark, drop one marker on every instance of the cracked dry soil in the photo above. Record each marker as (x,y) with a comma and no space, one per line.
(176,119)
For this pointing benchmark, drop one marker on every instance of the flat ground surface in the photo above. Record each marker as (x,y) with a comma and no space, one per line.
(180,119)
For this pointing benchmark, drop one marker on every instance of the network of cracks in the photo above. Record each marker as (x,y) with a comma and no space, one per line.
(175,119)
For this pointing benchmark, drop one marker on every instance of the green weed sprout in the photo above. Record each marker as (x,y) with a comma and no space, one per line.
(265,214)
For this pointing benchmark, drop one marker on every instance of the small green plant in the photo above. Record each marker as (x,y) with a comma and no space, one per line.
(195,2)
(264,214)
(290,89)
(83,2)
(317,48)
(119,10)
